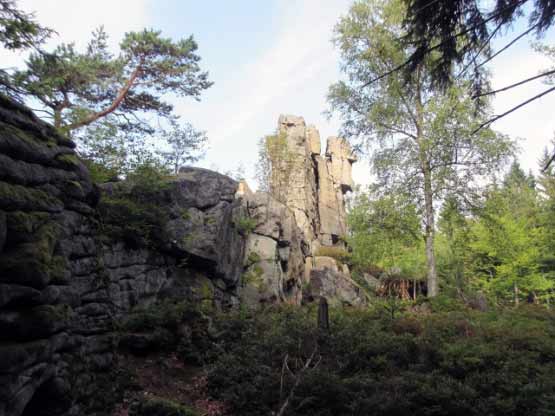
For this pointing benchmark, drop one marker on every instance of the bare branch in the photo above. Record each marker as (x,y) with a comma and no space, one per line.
(516,84)
(298,378)
(508,45)
(493,119)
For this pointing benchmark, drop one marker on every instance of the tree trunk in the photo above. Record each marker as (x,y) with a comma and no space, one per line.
(433,288)
(428,192)
(515,290)
(57,118)
(115,104)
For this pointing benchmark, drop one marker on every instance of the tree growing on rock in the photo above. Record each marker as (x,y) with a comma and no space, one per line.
(186,145)
(275,164)
(424,143)
(75,89)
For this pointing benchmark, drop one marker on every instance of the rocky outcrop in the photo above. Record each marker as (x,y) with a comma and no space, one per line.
(276,249)
(75,259)
(314,192)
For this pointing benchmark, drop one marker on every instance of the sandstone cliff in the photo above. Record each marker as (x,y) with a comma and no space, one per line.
(76,258)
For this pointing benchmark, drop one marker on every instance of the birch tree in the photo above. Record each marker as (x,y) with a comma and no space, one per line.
(423,142)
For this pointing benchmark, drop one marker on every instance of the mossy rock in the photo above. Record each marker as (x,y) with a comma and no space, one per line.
(69,161)
(17,197)
(160,407)
(33,263)
(22,226)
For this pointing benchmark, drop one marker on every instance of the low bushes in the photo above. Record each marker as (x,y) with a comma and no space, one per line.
(456,361)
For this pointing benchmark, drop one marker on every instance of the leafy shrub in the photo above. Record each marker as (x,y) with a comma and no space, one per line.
(160,315)
(245,225)
(456,362)
(337,253)
(131,213)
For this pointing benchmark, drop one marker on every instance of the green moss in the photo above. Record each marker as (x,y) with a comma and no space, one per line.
(252,258)
(189,239)
(253,276)
(33,262)
(206,290)
(17,197)
(337,253)
(185,215)
(22,225)
(209,220)
(58,270)
(74,188)
(70,161)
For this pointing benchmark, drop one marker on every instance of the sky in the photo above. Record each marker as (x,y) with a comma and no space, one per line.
(274,57)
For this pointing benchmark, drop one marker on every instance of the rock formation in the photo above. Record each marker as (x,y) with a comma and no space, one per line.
(313,212)
(76,258)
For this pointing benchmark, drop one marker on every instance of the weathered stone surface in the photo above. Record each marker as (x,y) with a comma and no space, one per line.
(299,193)
(336,287)
(372,281)
(341,159)
(323,262)
(274,259)
(65,281)
(313,138)
(63,285)
(314,193)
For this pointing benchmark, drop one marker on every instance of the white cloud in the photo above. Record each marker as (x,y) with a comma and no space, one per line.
(290,76)
(75,20)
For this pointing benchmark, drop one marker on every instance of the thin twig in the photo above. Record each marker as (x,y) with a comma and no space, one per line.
(298,378)
(493,119)
(508,45)
(516,84)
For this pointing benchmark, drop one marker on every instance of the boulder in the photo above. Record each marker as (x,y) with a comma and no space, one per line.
(338,288)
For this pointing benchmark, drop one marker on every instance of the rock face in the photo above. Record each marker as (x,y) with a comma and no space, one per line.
(76,258)
(311,216)
(276,249)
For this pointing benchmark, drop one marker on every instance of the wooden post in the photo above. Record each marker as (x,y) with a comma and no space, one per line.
(323,315)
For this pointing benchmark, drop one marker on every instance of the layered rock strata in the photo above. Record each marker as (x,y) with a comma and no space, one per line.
(76,258)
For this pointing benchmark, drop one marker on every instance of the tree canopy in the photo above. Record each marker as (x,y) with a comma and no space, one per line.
(76,88)
(19,30)
(423,142)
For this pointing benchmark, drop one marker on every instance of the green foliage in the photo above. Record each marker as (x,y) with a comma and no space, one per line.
(245,225)
(19,30)
(453,362)
(186,145)
(275,164)
(337,253)
(79,88)
(165,314)
(252,258)
(423,142)
(506,241)
(385,233)
(132,214)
